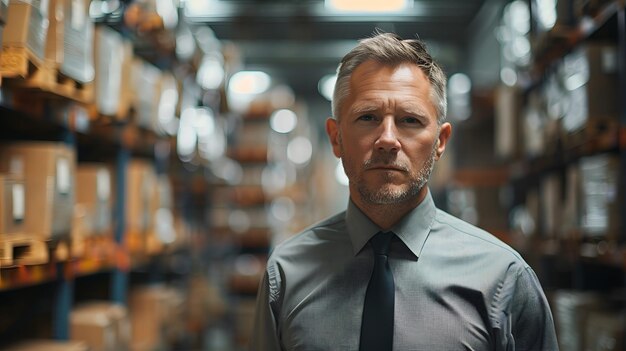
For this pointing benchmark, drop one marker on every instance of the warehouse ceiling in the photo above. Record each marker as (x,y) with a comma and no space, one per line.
(299,41)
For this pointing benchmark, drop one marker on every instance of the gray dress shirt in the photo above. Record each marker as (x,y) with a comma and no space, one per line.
(457,288)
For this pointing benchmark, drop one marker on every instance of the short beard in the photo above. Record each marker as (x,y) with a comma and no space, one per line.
(386,195)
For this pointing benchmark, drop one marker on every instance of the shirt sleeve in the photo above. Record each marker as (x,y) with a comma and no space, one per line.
(265,333)
(525,322)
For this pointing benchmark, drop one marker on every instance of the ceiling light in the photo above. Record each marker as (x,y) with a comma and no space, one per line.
(368,5)
(249,82)
(326,86)
(283,121)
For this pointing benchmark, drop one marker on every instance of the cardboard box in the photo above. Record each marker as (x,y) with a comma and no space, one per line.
(26,26)
(605,331)
(147,81)
(48,171)
(167,104)
(112,56)
(78,32)
(141,182)
(48,345)
(590,83)
(93,193)
(507,120)
(12,205)
(571,310)
(156,316)
(161,231)
(102,325)
(600,196)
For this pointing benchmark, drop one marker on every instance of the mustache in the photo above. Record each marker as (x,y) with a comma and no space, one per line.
(384,160)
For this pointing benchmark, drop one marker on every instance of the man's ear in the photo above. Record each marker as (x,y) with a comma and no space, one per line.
(442,140)
(332,129)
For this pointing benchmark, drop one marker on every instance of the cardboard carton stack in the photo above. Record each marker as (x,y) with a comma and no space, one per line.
(113,56)
(47,170)
(24,37)
(102,325)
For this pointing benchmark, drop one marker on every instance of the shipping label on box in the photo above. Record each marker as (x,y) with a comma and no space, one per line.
(12,205)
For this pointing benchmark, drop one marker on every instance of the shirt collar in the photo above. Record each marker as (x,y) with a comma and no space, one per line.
(412,229)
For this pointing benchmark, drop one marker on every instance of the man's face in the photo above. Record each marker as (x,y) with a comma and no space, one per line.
(387,135)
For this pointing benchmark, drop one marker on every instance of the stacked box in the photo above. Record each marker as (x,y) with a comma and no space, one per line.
(112,56)
(147,81)
(605,331)
(48,171)
(12,205)
(102,325)
(590,84)
(161,230)
(550,205)
(600,214)
(26,27)
(156,316)
(78,33)
(571,311)
(507,129)
(93,193)
(167,104)
(49,345)
(140,197)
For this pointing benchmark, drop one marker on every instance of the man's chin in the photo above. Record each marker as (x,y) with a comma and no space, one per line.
(387,194)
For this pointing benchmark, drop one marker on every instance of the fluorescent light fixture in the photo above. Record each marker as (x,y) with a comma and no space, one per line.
(369,6)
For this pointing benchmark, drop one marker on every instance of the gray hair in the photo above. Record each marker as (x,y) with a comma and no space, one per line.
(391,49)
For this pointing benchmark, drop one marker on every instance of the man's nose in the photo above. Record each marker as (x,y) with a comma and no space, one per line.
(388,137)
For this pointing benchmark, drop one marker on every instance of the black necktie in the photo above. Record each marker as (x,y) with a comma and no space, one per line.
(377,324)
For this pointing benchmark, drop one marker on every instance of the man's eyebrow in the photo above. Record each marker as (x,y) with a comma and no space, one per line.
(410,109)
(358,109)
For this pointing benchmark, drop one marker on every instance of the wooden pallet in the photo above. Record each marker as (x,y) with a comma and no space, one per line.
(22,249)
(24,71)
(18,62)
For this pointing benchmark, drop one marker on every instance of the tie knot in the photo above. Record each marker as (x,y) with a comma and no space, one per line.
(380,243)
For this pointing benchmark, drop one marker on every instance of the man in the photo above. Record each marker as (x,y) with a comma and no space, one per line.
(393,272)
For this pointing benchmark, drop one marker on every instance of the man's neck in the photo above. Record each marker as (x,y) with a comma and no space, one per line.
(386,215)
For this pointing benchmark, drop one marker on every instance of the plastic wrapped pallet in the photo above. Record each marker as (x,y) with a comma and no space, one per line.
(112,67)
(26,28)
(78,32)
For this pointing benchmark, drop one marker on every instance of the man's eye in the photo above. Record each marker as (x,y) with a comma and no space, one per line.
(411,120)
(366,118)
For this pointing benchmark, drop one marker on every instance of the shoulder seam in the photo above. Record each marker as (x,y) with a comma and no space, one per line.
(505,247)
